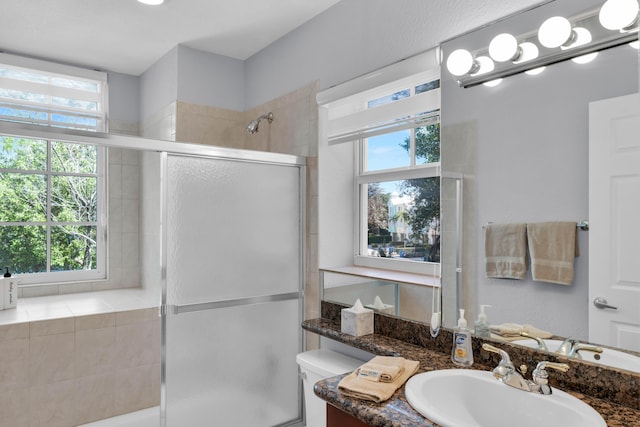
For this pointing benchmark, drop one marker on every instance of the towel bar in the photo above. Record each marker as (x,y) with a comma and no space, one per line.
(582,225)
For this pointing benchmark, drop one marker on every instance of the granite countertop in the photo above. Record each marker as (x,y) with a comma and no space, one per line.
(396,412)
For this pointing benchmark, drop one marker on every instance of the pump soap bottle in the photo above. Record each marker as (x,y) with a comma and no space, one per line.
(10,290)
(462,353)
(482,327)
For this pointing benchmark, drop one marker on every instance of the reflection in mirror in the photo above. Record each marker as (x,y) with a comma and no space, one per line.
(531,135)
(393,295)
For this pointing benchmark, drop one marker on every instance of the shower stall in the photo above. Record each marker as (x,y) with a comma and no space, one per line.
(232,260)
(221,248)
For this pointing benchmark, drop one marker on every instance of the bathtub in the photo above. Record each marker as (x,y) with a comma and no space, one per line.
(149,417)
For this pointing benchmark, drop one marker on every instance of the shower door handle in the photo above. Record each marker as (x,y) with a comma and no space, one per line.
(602,303)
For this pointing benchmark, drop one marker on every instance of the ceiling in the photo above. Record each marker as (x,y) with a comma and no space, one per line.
(128,37)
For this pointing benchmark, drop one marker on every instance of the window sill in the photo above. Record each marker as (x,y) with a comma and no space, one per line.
(81,304)
(388,275)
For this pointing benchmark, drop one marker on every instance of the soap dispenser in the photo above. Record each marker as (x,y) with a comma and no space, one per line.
(482,327)
(462,353)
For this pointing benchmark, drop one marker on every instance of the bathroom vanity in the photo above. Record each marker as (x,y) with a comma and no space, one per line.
(609,392)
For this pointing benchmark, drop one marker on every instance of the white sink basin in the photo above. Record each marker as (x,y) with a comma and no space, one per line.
(608,357)
(466,398)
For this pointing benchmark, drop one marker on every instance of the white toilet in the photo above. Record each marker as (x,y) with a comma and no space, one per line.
(316,365)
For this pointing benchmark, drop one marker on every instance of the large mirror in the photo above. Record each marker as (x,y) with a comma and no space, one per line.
(530,138)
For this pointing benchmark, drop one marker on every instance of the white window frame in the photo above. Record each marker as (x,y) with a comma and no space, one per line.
(363,177)
(58,277)
(101,115)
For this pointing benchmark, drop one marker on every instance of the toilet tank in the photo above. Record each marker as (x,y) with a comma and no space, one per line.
(316,365)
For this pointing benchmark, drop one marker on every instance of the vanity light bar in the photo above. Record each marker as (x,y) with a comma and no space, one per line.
(601,39)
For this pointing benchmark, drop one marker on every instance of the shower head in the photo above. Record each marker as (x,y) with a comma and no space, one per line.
(253,126)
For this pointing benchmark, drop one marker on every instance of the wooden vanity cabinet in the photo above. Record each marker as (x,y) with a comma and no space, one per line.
(339,418)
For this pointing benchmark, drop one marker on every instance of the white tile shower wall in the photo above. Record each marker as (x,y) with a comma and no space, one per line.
(70,371)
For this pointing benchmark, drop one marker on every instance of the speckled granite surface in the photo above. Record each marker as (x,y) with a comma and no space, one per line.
(615,385)
(396,412)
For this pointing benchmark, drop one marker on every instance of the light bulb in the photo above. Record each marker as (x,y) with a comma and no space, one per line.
(582,37)
(151,2)
(486,65)
(585,59)
(535,71)
(618,14)
(504,47)
(529,51)
(554,32)
(493,83)
(460,62)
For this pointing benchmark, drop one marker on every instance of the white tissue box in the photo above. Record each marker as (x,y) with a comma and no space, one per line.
(356,323)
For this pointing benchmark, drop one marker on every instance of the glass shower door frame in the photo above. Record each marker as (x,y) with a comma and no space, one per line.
(167,309)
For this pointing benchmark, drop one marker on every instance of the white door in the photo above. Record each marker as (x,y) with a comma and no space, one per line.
(614,215)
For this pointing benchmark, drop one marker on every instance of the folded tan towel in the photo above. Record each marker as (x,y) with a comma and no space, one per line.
(505,248)
(553,248)
(382,368)
(373,391)
(511,331)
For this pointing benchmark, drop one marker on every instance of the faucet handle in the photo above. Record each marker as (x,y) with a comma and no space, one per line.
(541,344)
(505,367)
(541,376)
(562,367)
(503,354)
(586,347)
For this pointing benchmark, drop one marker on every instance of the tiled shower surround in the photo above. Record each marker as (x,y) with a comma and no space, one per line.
(74,370)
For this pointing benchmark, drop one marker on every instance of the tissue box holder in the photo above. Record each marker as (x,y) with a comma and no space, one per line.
(356,323)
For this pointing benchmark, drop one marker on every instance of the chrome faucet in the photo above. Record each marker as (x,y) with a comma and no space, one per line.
(507,374)
(571,347)
(541,345)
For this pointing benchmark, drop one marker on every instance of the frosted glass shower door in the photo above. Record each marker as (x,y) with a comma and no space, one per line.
(233,240)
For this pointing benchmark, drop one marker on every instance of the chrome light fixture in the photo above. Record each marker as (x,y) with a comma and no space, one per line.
(557,39)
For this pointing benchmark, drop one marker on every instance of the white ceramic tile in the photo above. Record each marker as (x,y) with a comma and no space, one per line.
(136,388)
(130,181)
(130,216)
(14,408)
(14,331)
(14,364)
(16,315)
(90,305)
(51,358)
(135,344)
(115,181)
(52,405)
(95,321)
(95,352)
(52,327)
(94,398)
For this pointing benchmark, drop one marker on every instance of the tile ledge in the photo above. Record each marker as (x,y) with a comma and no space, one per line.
(80,304)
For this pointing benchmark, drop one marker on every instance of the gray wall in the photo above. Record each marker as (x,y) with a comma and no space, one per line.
(355,37)
(207,79)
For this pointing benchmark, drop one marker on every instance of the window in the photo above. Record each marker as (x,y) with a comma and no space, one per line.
(391,117)
(54,95)
(399,186)
(53,213)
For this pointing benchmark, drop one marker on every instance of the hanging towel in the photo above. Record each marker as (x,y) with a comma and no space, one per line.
(384,369)
(376,391)
(553,248)
(505,248)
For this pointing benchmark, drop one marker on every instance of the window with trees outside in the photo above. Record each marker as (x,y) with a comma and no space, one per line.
(399,185)
(53,211)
